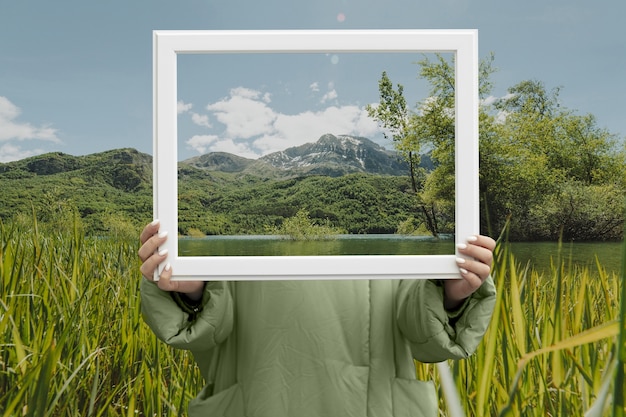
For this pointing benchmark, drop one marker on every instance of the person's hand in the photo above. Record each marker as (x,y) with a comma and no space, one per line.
(475,269)
(151,239)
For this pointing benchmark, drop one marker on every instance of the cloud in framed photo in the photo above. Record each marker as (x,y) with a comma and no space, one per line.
(250,127)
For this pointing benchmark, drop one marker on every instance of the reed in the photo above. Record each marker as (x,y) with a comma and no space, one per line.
(74,344)
(552,348)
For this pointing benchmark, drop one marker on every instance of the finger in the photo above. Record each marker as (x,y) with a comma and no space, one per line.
(478,247)
(477,268)
(165,279)
(185,287)
(480,254)
(151,245)
(151,263)
(473,281)
(150,230)
(483,241)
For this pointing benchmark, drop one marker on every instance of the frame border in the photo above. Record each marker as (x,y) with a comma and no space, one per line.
(167,44)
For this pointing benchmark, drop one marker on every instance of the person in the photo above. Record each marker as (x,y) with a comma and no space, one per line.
(318,348)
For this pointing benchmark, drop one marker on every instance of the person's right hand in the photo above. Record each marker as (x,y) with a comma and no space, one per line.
(151,239)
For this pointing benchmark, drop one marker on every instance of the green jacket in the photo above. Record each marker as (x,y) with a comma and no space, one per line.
(318,348)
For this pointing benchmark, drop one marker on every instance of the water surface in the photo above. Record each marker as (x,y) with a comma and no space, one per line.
(540,255)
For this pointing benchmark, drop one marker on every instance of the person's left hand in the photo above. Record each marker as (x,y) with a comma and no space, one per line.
(151,239)
(475,269)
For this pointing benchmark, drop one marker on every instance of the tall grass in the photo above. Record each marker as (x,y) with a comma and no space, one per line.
(73,342)
(552,347)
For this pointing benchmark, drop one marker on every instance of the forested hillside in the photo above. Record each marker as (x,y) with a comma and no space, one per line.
(550,172)
(354,203)
(546,171)
(111,193)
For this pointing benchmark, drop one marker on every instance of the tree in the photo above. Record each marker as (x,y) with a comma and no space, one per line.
(552,172)
(547,168)
(393,115)
(433,126)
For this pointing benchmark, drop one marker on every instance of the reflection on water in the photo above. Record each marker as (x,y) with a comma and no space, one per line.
(339,245)
(539,255)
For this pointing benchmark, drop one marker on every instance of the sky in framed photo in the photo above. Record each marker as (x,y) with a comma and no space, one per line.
(270,102)
(76,77)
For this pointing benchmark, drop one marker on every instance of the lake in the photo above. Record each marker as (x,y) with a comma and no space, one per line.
(582,254)
(538,254)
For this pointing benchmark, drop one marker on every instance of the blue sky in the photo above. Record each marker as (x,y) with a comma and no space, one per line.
(76,76)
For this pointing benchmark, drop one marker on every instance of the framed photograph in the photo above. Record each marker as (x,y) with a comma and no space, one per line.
(168,46)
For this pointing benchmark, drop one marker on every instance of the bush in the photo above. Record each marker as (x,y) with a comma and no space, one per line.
(579,212)
(301,227)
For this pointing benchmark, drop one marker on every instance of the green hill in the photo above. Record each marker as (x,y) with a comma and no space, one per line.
(101,188)
(219,203)
(112,191)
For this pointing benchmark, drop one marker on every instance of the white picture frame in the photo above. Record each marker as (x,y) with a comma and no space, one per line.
(168,44)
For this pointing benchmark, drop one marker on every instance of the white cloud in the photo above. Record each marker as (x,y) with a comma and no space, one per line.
(430,103)
(500,116)
(245,92)
(243,114)
(488,101)
(237,148)
(182,107)
(11,129)
(251,128)
(331,95)
(10,152)
(315,87)
(202,143)
(8,110)
(297,129)
(210,143)
(200,119)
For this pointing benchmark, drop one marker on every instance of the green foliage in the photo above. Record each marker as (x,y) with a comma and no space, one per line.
(355,203)
(578,212)
(75,343)
(619,389)
(412,226)
(392,114)
(106,194)
(563,173)
(552,172)
(302,227)
(539,358)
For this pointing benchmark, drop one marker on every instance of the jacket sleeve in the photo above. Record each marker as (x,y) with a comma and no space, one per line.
(174,324)
(435,334)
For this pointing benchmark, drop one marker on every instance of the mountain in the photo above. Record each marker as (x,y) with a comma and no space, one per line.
(124,169)
(219,193)
(331,156)
(219,161)
(108,190)
(127,168)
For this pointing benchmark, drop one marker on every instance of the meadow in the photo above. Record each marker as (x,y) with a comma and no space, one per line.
(74,343)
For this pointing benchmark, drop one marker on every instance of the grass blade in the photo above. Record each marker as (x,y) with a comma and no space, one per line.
(619,402)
